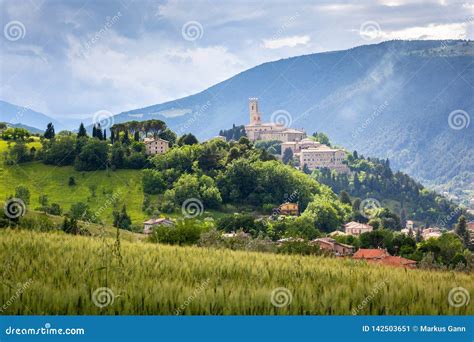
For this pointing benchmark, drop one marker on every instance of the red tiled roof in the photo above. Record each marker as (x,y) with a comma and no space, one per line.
(396,261)
(370,254)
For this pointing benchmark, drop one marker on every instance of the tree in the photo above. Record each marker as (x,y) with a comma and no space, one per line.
(344,198)
(43,200)
(49,133)
(23,193)
(136,136)
(326,213)
(187,139)
(462,232)
(62,151)
(403,217)
(71,181)
(19,153)
(306,169)
(287,155)
(322,138)
(121,219)
(82,131)
(70,226)
(126,139)
(93,156)
(98,132)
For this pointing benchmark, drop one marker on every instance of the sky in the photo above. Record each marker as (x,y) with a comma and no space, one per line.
(71,59)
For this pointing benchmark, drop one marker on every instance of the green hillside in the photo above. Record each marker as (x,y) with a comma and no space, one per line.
(52,181)
(60,273)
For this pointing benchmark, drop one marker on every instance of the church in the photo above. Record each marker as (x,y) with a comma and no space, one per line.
(257,130)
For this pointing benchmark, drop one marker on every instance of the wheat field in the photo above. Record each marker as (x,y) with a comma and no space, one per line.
(58,274)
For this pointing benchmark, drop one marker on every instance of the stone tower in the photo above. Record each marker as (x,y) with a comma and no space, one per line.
(255,118)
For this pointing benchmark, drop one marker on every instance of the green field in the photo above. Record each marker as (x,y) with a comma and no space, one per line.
(53,181)
(58,274)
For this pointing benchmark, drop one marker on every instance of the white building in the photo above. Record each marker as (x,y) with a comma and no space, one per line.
(152,223)
(323,157)
(356,228)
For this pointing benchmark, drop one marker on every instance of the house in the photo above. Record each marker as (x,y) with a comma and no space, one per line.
(289,209)
(156,146)
(370,254)
(428,233)
(357,228)
(289,239)
(152,223)
(381,256)
(324,157)
(236,234)
(331,245)
(256,130)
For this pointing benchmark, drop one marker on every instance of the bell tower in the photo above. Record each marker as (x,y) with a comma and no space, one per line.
(255,118)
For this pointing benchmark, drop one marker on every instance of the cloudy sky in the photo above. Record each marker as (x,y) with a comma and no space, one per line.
(73,58)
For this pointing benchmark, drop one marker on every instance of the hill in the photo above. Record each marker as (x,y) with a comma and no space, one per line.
(390,100)
(149,279)
(32,130)
(13,114)
(52,181)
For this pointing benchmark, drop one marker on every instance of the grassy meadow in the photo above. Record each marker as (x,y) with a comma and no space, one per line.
(50,180)
(59,273)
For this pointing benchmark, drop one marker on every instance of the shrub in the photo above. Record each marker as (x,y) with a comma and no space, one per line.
(184,232)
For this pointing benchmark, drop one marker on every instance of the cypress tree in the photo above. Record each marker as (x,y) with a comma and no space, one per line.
(82,131)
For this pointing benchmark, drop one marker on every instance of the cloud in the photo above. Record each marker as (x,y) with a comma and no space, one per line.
(79,57)
(431,31)
(286,42)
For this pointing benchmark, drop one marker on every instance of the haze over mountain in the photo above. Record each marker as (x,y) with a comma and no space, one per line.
(25,117)
(391,99)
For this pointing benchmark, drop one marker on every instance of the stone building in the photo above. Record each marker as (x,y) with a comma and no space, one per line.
(156,146)
(256,130)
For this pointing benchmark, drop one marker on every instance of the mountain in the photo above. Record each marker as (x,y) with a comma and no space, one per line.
(390,100)
(14,114)
(32,130)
